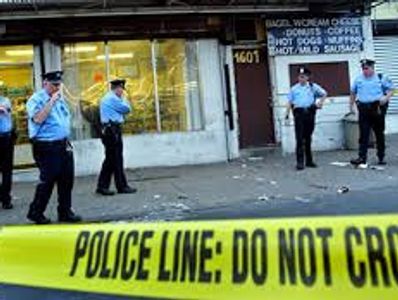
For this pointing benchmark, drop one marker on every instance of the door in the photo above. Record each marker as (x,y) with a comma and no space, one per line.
(254,98)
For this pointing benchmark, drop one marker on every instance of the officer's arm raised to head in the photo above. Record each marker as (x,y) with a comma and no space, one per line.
(121,106)
(41,115)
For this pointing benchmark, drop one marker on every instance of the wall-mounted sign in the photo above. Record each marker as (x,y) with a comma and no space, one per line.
(247,57)
(309,36)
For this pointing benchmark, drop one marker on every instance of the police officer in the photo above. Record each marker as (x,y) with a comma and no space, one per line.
(113,107)
(371,94)
(49,130)
(302,99)
(6,152)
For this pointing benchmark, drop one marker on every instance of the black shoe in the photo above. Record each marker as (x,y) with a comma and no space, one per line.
(311,165)
(104,192)
(357,161)
(127,190)
(69,217)
(7,206)
(382,162)
(300,167)
(38,219)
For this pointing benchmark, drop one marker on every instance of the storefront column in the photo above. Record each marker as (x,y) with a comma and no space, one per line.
(52,56)
(37,68)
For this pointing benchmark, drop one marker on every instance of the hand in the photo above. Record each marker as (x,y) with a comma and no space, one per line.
(319,104)
(54,97)
(352,110)
(383,100)
(287,119)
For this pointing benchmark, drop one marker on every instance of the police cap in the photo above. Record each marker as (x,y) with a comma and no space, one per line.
(304,71)
(367,62)
(53,76)
(118,82)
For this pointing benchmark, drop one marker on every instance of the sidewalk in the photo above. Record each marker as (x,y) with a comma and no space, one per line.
(172,193)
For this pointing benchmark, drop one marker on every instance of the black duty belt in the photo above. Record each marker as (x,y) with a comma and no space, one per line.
(111,124)
(369,104)
(308,109)
(5,134)
(50,143)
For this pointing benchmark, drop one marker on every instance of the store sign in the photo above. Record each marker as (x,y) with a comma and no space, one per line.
(308,36)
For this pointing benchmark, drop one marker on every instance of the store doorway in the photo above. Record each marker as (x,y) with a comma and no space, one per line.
(256,122)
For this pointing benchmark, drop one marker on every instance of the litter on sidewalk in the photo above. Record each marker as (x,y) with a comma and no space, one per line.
(343,190)
(340,164)
(362,166)
(377,168)
(301,199)
(256,158)
(263,198)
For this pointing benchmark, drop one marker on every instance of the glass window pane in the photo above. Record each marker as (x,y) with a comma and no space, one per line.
(192,88)
(85,83)
(16,83)
(170,73)
(132,60)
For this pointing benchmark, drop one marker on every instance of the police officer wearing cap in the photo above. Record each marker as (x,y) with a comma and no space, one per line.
(49,130)
(6,152)
(302,100)
(371,94)
(113,108)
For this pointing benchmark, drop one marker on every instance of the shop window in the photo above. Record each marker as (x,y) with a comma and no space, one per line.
(85,83)
(176,69)
(132,60)
(333,76)
(16,83)
(161,84)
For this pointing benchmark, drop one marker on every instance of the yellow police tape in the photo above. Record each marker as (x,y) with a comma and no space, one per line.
(296,258)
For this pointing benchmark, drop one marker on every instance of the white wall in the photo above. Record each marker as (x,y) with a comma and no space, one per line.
(329,133)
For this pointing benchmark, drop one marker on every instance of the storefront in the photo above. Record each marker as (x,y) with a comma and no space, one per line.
(331,46)
(175,88)
(202,81)
(175,84)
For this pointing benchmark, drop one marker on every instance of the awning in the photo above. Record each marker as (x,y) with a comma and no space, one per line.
(40,9)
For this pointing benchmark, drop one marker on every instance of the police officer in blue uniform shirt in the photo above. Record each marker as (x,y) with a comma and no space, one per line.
(113,108)
(302,99)
(371,93)
(49,130)
(6,152)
